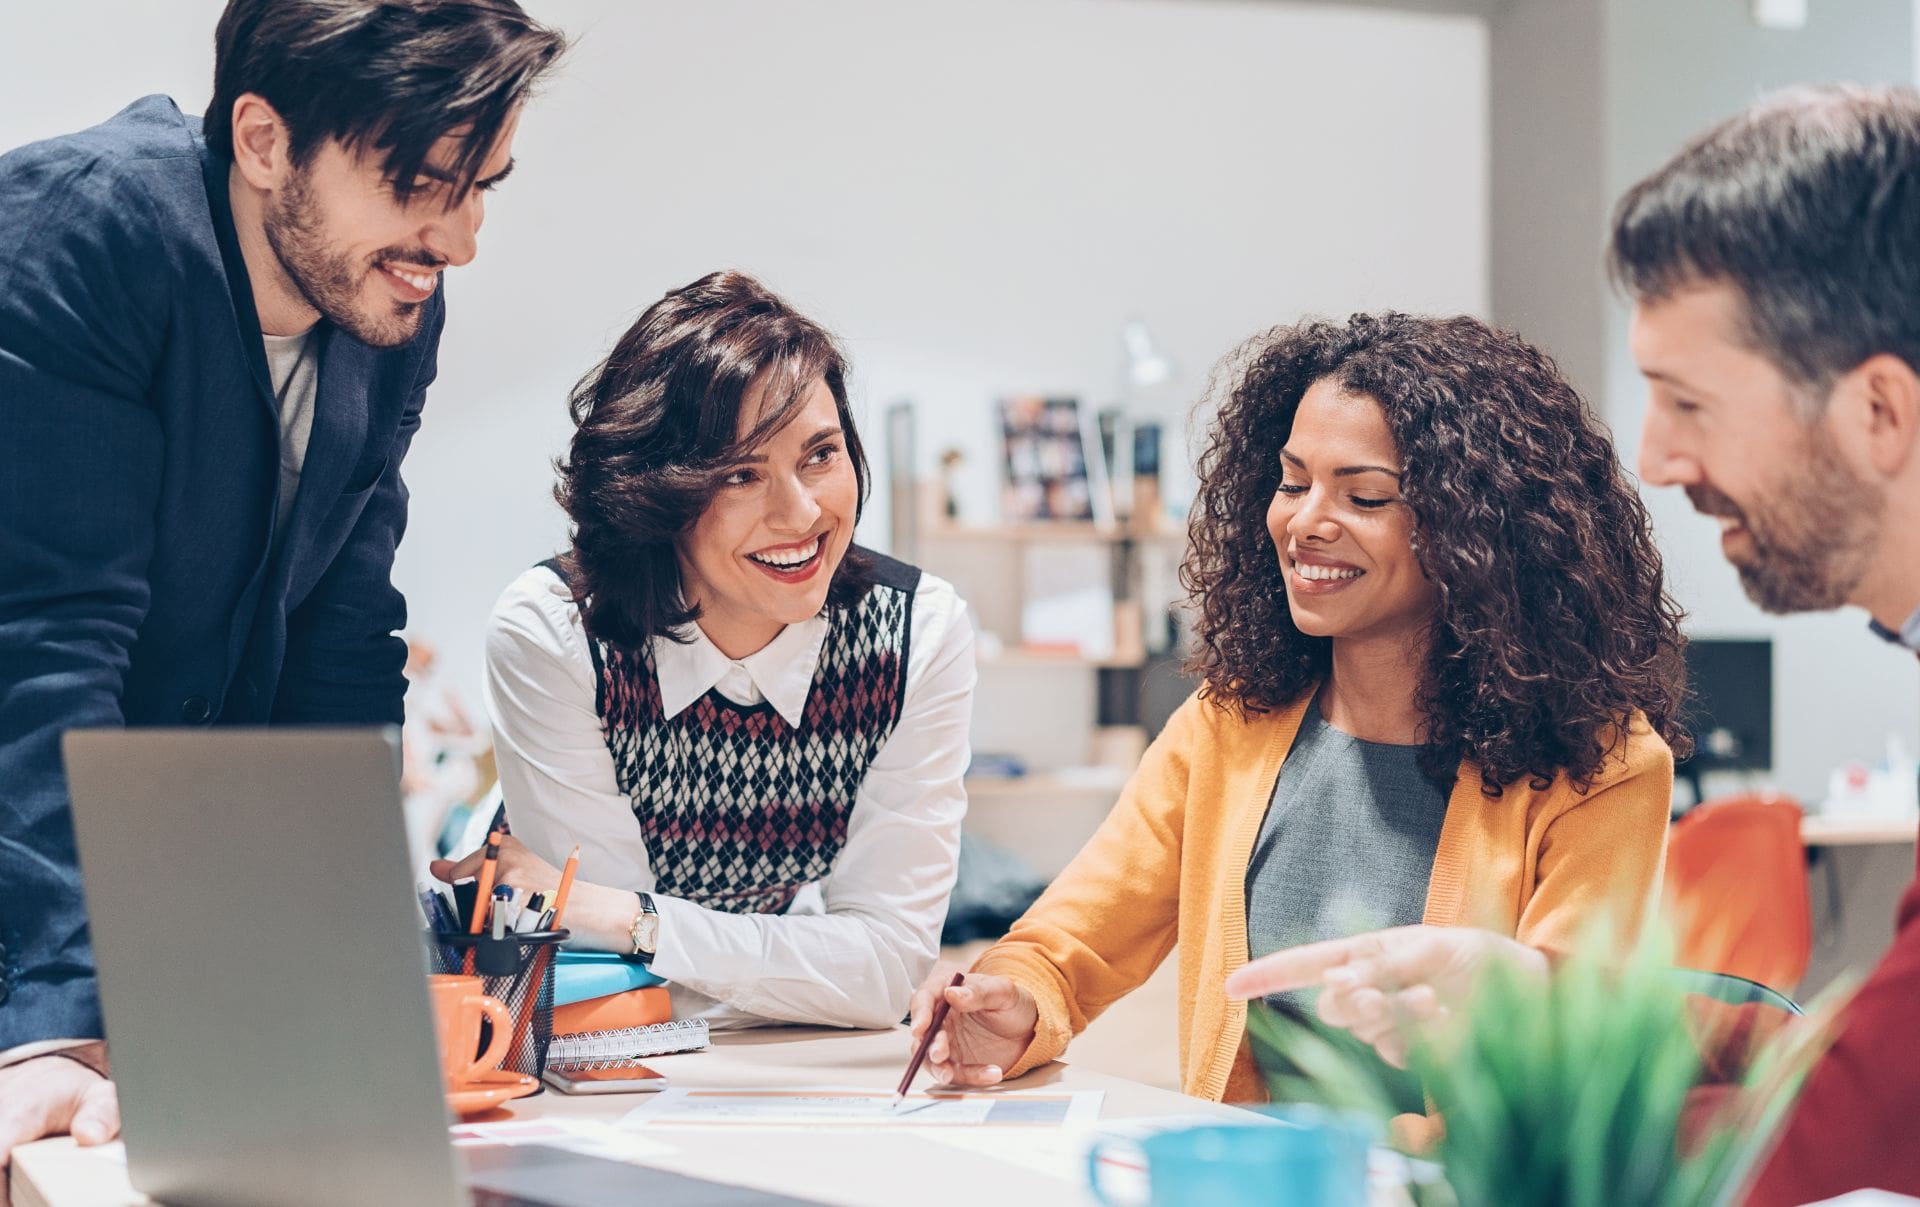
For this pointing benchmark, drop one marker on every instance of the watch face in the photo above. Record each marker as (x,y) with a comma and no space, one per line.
(646,932)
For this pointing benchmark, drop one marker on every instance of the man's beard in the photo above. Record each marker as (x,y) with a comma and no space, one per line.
(331,281)
(1813,542)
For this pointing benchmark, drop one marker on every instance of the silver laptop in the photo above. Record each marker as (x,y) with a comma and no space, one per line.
(263,974)
(261,965)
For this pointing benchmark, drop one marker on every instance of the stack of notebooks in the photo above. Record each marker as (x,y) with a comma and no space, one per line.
(610,1011)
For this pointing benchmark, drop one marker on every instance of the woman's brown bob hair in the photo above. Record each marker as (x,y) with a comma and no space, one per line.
(1554,624)
(657,429)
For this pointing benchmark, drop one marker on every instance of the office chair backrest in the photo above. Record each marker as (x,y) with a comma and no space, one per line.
(1737,887)
(1733,990)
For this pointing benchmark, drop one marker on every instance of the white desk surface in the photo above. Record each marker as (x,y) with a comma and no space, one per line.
(1819,830)
(859,1168)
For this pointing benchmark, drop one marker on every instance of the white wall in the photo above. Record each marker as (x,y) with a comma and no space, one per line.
(1672,71)
(1548,198)
(973,195)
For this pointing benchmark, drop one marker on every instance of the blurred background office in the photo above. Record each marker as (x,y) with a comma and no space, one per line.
(1088,200)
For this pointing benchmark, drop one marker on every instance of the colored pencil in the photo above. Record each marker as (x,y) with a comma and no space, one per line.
(483,898)
(926,1041)
(538,968)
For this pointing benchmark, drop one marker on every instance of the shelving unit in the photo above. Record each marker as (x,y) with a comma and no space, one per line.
(1049,530)
(1046,816)
(1025,657)
(1072,718)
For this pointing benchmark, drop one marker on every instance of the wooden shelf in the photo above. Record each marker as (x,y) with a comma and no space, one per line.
(1044,817)
(1083,781)
(1031,658)
(1050,530)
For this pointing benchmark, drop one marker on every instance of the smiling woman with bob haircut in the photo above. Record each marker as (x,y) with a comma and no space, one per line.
(1440,680)
(754,729)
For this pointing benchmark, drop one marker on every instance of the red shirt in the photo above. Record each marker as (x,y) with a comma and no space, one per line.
(1857,1124)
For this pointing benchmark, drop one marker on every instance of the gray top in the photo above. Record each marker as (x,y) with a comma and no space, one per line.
(1347,846)
(1348,841)
(296,379)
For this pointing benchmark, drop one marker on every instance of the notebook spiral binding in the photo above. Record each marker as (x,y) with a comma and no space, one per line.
(627,1045)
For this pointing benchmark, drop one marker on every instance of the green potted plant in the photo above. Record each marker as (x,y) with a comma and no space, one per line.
(1584,1089)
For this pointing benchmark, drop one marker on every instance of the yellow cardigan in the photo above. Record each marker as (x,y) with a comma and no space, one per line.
(1170,864)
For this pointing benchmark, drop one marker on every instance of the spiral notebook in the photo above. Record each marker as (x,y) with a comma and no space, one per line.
(627,1045)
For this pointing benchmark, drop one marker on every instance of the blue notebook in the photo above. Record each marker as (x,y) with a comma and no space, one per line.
(579,975)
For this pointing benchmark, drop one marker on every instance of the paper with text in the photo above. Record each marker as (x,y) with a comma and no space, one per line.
(858,1108)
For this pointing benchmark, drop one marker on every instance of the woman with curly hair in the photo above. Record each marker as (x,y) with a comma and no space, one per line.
(1441,677)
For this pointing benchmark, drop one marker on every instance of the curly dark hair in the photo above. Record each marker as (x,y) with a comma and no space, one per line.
(657,430)
(1553,624)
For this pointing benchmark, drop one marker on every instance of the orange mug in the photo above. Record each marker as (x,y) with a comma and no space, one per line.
(458,1007)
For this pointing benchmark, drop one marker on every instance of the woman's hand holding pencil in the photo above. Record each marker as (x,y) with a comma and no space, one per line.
(989,1023)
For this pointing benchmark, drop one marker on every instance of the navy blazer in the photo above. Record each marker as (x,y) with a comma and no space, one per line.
(140,579)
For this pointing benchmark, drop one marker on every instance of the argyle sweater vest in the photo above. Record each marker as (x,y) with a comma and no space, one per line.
(738,808)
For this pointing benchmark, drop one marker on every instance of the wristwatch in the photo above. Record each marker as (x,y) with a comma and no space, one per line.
(645,931)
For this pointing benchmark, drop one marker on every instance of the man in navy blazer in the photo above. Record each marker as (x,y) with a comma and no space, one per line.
(216,337)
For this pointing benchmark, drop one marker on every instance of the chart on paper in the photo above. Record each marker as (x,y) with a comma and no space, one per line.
(854,1108)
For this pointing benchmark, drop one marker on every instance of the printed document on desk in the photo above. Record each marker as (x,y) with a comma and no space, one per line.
(589,1136)
(862,1109)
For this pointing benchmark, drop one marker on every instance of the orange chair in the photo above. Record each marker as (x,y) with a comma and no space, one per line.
(1736,885)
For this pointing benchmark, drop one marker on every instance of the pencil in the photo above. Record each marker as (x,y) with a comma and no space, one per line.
(926,1041)
(483,898)
(566,884)
(537,968)
(483,895)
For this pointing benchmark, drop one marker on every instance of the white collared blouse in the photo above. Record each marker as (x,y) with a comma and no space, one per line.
(852,947)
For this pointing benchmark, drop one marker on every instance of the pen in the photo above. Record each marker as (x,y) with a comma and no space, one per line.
(443,920)
(505,894)
(461,893)
(499,919)
(446,914)
(926,1041)
(529,913)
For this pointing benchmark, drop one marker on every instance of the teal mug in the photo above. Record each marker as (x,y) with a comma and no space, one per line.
(1306,1159)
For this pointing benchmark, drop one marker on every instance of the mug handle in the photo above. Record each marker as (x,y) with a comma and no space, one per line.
(496,1052)
(1094,1155)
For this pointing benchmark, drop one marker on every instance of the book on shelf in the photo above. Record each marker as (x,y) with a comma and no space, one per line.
(1043,445)
(1144,487)
(1068,600)
(1116,454)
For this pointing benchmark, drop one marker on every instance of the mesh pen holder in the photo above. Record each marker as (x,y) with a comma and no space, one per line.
(518,970)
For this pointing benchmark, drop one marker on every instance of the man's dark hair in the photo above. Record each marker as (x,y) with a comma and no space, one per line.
(395,76)
(1807,203)
(657,431)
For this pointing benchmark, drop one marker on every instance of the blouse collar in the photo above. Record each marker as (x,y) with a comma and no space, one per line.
(780,673)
